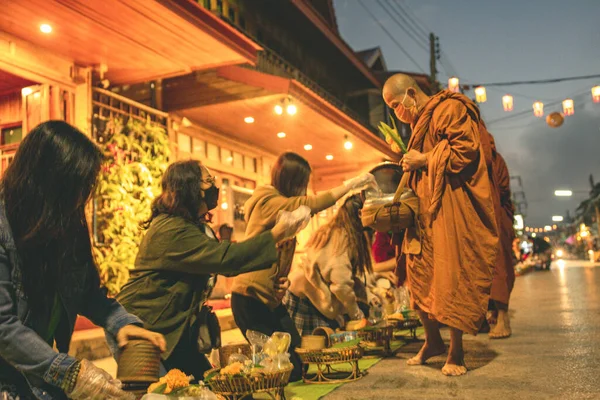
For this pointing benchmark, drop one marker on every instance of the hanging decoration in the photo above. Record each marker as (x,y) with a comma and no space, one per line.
(454,84)
(568,107)
(555,119)
(507,102)
(538,109)
(480,94)
(596,94)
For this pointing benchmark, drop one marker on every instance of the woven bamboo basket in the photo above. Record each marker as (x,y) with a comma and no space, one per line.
(380,336)
(331,355)
(410,325)
(237,386)
(327,361)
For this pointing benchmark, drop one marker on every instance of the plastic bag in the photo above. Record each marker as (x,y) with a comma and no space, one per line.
(402,299)
(258,341)
(295,220)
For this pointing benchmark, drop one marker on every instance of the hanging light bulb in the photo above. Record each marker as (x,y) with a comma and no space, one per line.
(538,109)
(291,109)
(278,109)
(348,144)
(454,84)
(507,102)
(480,94)
(568,107)
(596,94)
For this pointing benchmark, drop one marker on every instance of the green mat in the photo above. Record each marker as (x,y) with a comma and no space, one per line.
(304,391)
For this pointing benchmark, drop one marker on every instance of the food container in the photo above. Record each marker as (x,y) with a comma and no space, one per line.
(139,363)
(312,342)
(326,332)
(341,337)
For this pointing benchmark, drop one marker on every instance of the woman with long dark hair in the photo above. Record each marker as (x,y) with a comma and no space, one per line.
(331,281)
(47,272)
(178,256)
(256,298)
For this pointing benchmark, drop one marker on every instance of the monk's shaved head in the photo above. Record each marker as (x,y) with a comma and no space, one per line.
(402,94)
(398,84)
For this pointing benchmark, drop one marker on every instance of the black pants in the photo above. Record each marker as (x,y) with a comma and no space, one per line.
(252,314)
(187,358)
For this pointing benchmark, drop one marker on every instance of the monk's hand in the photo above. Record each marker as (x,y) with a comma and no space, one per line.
(413,160)
(281,287)
(130,332)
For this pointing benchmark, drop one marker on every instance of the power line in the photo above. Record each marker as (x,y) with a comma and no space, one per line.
(408,32)
(419,24)
(513,93)
(424,41)
(540,81)
(414,18)
(391,37)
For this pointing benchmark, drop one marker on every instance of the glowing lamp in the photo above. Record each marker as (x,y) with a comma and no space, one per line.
(454,84)
(596,94)
(45,28)
(292,109)
(480,94)
(507,102)
(568,107)
(538,109)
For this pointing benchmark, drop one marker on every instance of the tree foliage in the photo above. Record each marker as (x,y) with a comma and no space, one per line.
(136,156)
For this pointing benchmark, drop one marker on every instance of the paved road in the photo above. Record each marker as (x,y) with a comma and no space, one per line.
(554,352)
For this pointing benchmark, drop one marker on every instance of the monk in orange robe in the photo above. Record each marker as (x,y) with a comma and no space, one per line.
(504,273)
(504,276)
(451,251)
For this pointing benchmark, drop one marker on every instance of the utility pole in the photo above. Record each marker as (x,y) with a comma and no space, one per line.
(434,55)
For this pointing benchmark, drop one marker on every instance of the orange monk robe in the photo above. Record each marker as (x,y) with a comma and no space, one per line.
(450,271)
(504,274)
(500,183)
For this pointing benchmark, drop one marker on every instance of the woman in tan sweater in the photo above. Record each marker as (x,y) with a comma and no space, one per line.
(256,298)
(331,281)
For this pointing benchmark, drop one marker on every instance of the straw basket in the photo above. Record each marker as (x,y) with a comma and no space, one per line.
(236,387)
(325,358)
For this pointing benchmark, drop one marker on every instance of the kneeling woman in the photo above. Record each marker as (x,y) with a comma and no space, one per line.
(331,281)
(172,276)
(47,271)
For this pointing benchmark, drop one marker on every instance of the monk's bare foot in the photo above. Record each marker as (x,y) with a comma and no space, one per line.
(455,365)
(426,352)
(492,317)
(502,328)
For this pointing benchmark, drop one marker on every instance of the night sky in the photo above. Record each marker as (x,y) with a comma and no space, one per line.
(508,40)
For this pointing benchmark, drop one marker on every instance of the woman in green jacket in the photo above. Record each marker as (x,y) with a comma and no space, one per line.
(173,270)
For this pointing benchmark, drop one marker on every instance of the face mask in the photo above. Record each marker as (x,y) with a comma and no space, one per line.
(211,197)
(404,108)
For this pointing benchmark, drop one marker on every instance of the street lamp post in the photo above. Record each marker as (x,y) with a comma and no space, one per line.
(569,193)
